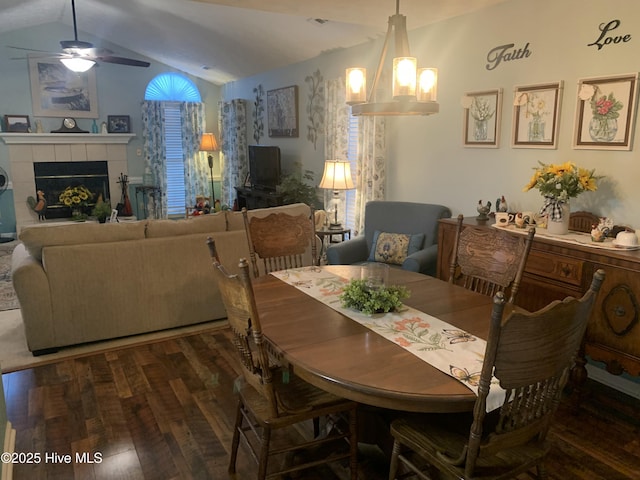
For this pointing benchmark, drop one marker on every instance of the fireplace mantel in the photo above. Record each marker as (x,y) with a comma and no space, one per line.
(65,138)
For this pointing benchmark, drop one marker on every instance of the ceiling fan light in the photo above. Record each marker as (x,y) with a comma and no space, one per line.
(77,64)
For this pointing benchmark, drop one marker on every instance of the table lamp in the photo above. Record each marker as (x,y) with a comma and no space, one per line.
(336,177)
(209,144)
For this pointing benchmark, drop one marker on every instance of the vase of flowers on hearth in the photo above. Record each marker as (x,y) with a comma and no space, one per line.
(77,199)
(558,184)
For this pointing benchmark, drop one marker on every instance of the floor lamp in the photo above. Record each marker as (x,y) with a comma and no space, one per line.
(209,144)
(336,177)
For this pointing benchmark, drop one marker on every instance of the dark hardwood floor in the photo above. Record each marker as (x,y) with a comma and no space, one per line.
(165,411)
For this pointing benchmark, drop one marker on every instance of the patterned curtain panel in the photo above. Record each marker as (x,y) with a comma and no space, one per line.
(336,138)
(196,166)
(153,144)
(234,150)
(371,173)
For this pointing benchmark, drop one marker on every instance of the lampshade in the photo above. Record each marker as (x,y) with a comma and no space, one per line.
(356,85)
(336,176)
(78,64)
(208,143)
(413,90)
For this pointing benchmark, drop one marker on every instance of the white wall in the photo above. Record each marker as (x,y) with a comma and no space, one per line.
(427,160)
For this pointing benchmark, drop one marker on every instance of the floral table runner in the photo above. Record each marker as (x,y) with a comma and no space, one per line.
(445,347)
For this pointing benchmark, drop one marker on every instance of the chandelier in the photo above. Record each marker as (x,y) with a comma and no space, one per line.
(413,90)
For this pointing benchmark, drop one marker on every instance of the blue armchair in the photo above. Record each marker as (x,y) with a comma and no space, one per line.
(395,217)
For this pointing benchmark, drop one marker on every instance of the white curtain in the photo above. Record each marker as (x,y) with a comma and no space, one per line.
(195,175)
(371,173)
(233,151)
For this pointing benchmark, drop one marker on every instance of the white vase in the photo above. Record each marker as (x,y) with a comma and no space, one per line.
(560,227)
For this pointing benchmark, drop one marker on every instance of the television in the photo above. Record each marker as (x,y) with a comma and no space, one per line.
(264,167)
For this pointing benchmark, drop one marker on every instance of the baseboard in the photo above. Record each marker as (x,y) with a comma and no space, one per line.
(614,381)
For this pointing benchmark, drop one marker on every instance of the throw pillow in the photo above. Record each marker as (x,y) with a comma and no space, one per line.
(394,248)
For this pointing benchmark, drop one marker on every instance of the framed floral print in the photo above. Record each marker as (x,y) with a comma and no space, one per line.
(605,112)
(481,118)
(536,115)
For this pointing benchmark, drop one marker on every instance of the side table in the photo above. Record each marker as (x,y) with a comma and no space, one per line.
(329,233)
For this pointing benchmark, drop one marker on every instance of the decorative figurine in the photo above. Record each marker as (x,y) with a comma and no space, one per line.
(501,205)
(39,206)
(483,210)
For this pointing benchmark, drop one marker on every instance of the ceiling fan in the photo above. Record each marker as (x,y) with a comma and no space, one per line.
(80,56)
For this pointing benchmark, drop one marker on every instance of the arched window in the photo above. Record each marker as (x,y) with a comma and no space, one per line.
(173,89)
(172,86)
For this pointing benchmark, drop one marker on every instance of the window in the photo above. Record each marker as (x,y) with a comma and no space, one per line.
(171,88)
(352,156)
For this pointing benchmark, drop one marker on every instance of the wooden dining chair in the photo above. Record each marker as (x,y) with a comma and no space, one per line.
(279,241)
(530,354)
(270,397)
(489,260)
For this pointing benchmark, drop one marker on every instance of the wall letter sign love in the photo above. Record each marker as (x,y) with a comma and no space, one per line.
(498,54)
(605,39)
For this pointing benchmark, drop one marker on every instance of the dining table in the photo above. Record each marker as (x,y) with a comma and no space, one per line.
(328,349)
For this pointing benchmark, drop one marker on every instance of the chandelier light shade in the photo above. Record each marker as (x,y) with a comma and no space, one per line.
(336,177)
(356,85)
(413,90)
(77,64)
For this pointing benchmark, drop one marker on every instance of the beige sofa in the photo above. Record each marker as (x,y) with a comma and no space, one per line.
(87,282)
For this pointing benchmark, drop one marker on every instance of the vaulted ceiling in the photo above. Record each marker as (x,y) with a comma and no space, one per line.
(223,40)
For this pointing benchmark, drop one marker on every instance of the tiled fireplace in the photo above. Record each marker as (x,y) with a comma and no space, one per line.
(27,148)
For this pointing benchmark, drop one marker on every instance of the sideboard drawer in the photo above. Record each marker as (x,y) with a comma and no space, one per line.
(555,267)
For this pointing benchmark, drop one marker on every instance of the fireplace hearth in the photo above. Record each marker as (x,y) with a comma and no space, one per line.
(54,177)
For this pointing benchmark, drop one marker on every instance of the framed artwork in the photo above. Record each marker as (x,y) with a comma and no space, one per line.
(56,91)
(481,118)
(605,112)
(17,123)
(118,124)
(536,115)
(282,112)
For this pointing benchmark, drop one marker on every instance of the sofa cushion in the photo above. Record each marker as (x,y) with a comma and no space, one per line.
(215,222)
(235,220)
(394,248)
(36,237)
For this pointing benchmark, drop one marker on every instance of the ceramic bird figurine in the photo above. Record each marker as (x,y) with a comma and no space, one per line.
(501,205)
(483,210)
(39,206)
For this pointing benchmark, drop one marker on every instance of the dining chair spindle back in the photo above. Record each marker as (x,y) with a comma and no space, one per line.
(530,355)
(270,397)
(489,260)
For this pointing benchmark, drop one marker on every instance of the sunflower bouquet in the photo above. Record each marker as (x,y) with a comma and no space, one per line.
(76,198)
(559,183)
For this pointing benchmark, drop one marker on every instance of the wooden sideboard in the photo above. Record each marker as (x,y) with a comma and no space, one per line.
(254,198)
(557,269)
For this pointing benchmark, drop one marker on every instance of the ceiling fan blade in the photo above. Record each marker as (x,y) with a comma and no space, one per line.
(32,50)
(122,61)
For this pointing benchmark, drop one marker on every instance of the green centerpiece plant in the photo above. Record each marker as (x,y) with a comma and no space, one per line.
(359,296)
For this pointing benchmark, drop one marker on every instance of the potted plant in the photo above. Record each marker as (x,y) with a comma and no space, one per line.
(296,189)
(101,211)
